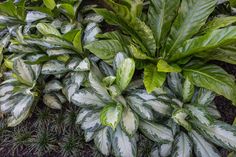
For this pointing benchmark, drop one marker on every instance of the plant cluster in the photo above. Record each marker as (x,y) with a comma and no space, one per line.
(150,77)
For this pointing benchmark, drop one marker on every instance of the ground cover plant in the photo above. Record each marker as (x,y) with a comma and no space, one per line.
(131,77)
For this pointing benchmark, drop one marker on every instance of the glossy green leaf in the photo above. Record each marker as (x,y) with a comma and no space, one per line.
(67,9)
(152,78)
(50,4)
(111,115)
(105,49)
(124,73)
(207,42)
(8,8)
(46,29)
(192,15)
(77,41)
(213,78)
(163,66)
(160,18)
(139,31)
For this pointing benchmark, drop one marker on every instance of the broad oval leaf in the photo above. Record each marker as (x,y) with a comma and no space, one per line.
(50,4)
(159,106)
(102,141)
(214,78)
(182,146)
(137,104)
(82,114)
(53,85)
(91,122)
(111,115)
(202,148)
(86,98)
(125,73)
(165,149)
(46,29)
(129,122)
(156,132)
(123,145)
(192,15)
(52,101)
(53,67)
(163,66)
(152,78)
(90,33)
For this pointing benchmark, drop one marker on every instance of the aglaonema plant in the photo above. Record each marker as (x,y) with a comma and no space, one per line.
(169,38)
(43,57)
(194,121)
(113,108)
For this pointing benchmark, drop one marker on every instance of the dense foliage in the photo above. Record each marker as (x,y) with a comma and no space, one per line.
(150,77)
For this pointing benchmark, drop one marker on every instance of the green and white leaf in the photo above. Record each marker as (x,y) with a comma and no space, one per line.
(54,67)
(102,141)
(111,115)
(52,101)
(53,85)
(46,29)
(91,122)
(159,107)
(129,122)
(188,90)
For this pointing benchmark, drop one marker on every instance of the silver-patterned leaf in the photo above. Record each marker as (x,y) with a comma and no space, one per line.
(82,114)
(87,98)
(119,58)
(188,90)
(99,88)
(106,69)
(182,146)
(84,65)
(53,85)
(165,149)
(90,33)
(9,103)
(220,133)
(154,152)
(159,106)
(91,122)
(205,97)
(35,16)
(142,110)
(89,135)
(203,148)
(58,52)
(46,29)
(52,101)
(156,132)
(102,141)
(175,83)
(129,122)
(22,106)
(123,145)
(73,63)
(12,121)
(93,17)
(53,67)
(23,71)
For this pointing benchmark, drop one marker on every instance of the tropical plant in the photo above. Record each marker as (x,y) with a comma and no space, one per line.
(172,35)
(232,154)
(193,118)
(39,48)
(112,108)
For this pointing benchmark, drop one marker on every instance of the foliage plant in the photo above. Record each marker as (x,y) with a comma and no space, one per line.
(45,59)
(168,37)
(42,54)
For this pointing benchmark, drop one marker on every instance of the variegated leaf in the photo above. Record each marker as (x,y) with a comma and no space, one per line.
(156,132)
(58,52)
(203,148)
(99,88)
(8,104)
(188,90)
(52,101)
(137,105)
(53,67)
(129,122)
(12,121)
(200,114)
(175,83)
(165,149)
(106,69)
(89,135)
(205,97)
(111,115)
(102,141)
(154,152)
(46,29)
(220,133)
(84,65)
(86,98)
(82,114)
(119,58)
(179,116)
(35,16)
(53,85)
(182,146)
(91,122)
(90,33)
(22,106)
(159,106)
(123,145)
(109,80)
(125,73)
(24,72)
